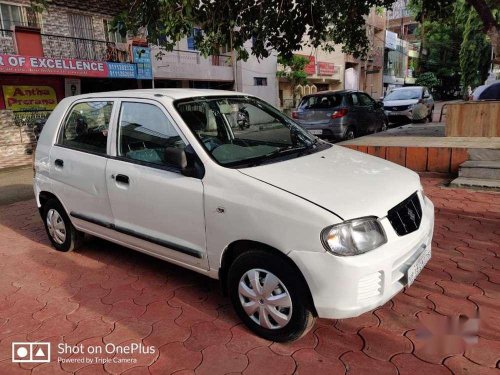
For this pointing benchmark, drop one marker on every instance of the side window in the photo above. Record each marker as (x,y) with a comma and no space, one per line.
(365,100)
(145,133)
(86,126)
(354,99)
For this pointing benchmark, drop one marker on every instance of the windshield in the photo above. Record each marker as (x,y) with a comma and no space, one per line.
(326,101)
(243,131)
(404,94)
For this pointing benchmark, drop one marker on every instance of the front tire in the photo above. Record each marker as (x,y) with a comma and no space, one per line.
(430,114)
(269,297)
(62,234)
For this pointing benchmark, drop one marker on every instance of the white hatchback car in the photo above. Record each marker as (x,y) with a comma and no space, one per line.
(224,184)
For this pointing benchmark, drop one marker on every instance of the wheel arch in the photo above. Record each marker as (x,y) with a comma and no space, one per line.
(239,247)
(44,197)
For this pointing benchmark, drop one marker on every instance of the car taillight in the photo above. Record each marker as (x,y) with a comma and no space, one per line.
(339,113)
(295,114)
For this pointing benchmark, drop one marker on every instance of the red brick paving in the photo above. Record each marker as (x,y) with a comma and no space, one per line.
(104,293)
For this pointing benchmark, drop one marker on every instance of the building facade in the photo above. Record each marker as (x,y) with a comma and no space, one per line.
(66,50)
(335,70)
(401,47)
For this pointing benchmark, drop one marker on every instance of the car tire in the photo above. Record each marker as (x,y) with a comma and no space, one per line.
(61,232)
(350,133)
(430,114)
(257,308)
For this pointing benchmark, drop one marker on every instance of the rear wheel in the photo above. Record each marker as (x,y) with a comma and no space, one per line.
(350,133)
(269,297)
(61,232)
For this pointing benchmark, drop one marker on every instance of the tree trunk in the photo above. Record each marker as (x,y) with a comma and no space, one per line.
(491,27)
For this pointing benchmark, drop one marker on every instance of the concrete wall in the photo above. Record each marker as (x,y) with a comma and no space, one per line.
(246,71)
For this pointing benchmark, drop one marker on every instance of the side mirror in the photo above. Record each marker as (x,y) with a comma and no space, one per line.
(186,160)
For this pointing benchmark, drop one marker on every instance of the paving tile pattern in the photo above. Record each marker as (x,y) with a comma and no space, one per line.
(104,293)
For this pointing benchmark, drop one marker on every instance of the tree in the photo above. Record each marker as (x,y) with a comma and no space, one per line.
(487,11)
(278,25)
(458,51)
(293,72)
(474,52)
(427,79)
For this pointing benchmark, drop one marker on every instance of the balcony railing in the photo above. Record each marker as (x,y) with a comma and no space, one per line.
(81,48)
(193,57)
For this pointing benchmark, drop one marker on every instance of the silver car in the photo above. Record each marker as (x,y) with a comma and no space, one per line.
(412,103)
(339,115)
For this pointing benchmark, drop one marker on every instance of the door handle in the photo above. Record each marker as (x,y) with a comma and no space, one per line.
(59,163)
(122,178)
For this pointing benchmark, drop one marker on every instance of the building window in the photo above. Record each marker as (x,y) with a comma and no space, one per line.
(191,39)
(112,36)
(259,81)
(80,26)
(14,15)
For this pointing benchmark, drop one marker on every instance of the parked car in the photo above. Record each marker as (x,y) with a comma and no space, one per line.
(490,91)
(224,184)
(340,114)
(412,103)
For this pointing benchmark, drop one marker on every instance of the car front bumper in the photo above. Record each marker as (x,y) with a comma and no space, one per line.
(345,287)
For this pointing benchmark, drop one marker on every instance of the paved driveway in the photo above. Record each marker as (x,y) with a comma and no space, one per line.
(106,294)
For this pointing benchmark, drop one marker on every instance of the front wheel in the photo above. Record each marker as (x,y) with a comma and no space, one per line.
(269,297)
(430,114)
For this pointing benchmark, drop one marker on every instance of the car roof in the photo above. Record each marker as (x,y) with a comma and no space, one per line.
(173,94)
(329,92)
(408,87)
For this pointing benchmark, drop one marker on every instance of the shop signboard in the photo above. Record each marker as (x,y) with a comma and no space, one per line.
(121,70)
(326,69)
(29,98)
(20,64)
(391,40)
(142,58)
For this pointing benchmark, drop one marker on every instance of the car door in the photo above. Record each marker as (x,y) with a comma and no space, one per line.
(355,113)
(155,208)
(367,111)
(78,163)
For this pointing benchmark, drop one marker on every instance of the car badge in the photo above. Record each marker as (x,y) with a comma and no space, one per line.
(412,216)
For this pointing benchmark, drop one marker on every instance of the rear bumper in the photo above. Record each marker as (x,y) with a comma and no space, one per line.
(336,131)
(344,287)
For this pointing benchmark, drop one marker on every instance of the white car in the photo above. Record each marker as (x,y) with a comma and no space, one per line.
(225,185)
(411,103)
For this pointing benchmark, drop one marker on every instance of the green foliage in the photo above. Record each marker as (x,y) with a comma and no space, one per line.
(293,71)
(428,79)
(278,25)
(474,51)
(454,38)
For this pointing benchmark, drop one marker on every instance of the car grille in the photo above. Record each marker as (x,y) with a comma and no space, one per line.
(406,216)
(397,108)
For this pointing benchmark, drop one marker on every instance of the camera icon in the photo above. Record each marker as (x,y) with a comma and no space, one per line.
(30,352)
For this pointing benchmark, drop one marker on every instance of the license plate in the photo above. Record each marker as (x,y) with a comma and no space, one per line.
(418,265)
(316,132)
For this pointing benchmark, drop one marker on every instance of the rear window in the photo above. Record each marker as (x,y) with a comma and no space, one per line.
(321,101)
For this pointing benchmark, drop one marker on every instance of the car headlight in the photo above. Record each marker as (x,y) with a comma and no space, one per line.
(354,237)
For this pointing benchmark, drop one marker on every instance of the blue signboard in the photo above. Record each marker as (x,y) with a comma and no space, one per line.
(122,70)
(142,58)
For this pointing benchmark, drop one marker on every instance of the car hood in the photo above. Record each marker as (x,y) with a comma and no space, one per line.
(348,183)
(391,103)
